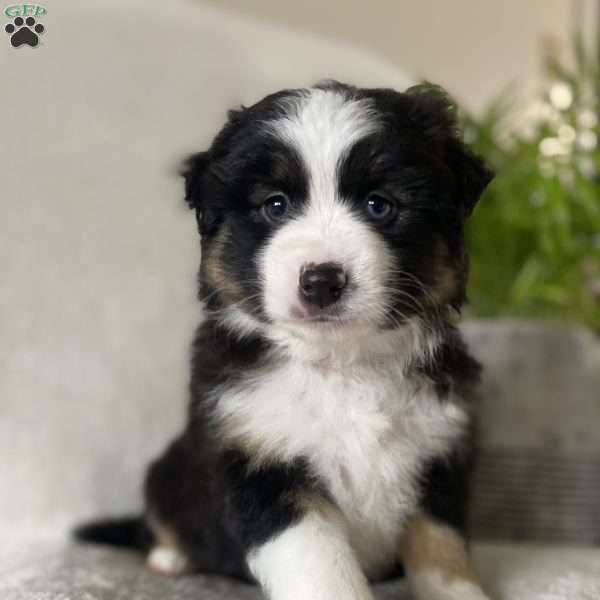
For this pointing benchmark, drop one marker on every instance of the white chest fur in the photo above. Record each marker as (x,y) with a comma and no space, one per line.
(366,431)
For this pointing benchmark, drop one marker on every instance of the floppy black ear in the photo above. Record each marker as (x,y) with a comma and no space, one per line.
(200,171)
(193,171)
(433,110)
(437,116)
(473,175)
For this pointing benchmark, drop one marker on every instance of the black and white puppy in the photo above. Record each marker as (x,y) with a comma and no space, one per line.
(329,438)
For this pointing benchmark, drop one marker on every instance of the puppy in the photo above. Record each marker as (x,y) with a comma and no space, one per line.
(329,433)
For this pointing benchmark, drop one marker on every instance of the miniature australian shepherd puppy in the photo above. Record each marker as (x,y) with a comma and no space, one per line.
(329,434)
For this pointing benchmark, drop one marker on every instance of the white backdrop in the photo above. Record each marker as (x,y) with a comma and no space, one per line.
(98,253)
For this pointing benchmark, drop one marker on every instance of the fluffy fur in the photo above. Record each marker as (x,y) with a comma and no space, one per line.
(318,432)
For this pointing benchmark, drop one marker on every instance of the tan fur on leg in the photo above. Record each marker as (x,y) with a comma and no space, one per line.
(436,561)
(165,557)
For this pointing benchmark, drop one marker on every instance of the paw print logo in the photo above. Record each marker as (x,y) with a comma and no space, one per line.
(24,32)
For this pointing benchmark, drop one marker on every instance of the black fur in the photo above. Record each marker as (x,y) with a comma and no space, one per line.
(127,532)
(453,369)
(445,491)
(265,499)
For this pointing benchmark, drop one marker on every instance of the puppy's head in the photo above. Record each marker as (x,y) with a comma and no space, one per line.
(335,209)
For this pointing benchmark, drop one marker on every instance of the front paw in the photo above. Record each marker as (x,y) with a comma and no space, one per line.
(437,586)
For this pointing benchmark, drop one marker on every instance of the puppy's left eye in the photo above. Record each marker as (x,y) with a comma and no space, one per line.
(275,207)
(380,208)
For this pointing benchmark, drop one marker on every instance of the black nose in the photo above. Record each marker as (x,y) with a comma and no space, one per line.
(322,284)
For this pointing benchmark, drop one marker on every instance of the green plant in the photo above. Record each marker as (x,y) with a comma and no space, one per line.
(535,236)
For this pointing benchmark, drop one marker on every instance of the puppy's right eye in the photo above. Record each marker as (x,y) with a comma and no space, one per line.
(275,207)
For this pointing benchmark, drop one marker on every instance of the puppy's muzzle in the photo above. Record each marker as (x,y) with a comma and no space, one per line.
(322,285)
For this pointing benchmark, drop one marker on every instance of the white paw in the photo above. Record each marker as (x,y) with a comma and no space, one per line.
(166,561)
(432,585)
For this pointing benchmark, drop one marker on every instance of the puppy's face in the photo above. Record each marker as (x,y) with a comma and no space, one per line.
(335,209)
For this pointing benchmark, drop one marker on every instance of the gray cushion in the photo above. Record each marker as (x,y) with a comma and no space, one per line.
(538,471)
(73,572)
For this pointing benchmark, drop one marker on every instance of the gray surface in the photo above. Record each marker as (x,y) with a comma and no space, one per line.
(82,572)
(69,572)
(538,471)
(541,385)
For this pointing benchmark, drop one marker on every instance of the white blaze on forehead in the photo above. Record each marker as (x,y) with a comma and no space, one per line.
(322,126)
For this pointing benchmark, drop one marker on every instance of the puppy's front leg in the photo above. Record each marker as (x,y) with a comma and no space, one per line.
(436,562)
(310,560)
